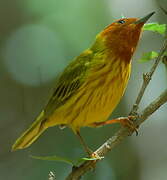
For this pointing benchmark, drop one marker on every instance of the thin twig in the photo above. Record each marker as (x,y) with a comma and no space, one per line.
(147,77)
(117,138)
(162,8)
(164,60)
(51,176)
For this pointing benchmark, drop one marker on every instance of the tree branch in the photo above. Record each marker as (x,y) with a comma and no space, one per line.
(147,78)
(77,172)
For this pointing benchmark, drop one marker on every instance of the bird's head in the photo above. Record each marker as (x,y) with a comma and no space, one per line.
(121,37)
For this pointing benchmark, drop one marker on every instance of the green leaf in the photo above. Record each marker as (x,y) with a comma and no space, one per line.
(92,159)
(80,160)
(55,158)
(148,56)
(75,162)
(155,27)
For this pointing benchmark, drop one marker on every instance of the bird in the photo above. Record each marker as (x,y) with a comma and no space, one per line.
(91,86)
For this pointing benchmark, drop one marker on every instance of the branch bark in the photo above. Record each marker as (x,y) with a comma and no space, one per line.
(77,172)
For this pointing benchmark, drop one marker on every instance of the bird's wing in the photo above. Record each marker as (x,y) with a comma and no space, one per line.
(71,79)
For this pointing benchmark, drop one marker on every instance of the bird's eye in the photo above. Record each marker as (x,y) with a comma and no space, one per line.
(121,21)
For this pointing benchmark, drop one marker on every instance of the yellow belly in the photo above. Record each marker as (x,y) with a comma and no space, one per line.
(95,100)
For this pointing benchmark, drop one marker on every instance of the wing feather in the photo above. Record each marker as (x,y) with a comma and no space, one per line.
(71,79)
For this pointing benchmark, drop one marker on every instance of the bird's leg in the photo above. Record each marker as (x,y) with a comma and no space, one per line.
(124,121)
(90,153)
(86,148)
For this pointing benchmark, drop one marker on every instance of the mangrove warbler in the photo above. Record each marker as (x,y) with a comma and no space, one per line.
(92,84)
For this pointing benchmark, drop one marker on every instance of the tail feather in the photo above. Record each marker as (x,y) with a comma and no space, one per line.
(31,134)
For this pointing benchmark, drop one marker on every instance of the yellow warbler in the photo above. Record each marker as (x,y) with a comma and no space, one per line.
(92,84)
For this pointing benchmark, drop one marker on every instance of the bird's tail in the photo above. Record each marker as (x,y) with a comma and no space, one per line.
(31,134)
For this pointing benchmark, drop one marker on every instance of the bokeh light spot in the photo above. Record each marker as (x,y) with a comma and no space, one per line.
(34,54)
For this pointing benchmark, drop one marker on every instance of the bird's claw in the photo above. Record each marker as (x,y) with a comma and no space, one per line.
(129,122)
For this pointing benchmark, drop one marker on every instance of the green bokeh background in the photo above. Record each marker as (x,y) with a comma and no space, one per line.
(37,40)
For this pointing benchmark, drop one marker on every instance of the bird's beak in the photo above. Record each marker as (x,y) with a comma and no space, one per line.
(144,19)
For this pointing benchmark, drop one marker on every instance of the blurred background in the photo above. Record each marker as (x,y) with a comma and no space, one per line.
(37,40)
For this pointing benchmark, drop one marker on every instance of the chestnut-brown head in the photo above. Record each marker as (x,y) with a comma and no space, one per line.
(121,37)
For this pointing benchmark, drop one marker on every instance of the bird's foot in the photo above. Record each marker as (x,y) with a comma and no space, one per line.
(129,123)
(124,121)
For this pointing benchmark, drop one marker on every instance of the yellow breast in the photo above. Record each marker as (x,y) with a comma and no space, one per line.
(96,98)
(100,95)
